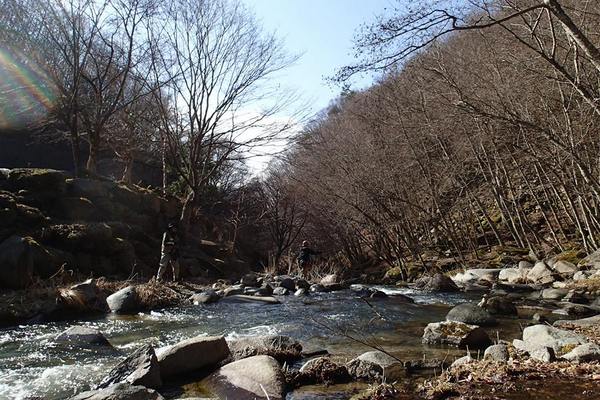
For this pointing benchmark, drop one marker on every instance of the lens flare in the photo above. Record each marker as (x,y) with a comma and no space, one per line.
(26,92)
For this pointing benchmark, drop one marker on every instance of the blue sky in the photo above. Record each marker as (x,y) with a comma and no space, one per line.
(322,30)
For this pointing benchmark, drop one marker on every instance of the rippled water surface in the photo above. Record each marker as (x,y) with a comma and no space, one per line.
(33,365)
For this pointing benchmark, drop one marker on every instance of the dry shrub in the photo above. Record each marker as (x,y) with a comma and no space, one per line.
(158,295)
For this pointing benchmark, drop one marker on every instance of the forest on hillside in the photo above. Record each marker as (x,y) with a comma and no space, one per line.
(481,130)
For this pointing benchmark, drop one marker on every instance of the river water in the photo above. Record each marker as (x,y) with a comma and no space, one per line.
(32,365)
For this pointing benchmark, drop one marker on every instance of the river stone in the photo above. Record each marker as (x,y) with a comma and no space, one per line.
(206,297)
(456,334)
(280,347)
(472,314)
(462,361)
(513,275)
(576,310)
(257,377)
(554,294)
(280,291)
(524,264)
(302,284)
(440,283)
(242,298)
(82,336)
(361,290)
(499,305)
(124,301)
(584,322)
(537,352)
(496,352)
(249,280)
(300,292)
(584,353)
(233,290)
(592,261)
(317,288)
(322,370)
(565,268)
(540,273)
(575,296)
(375,365)
(288,283)
(191,355)
(120,391)
(140,368)
(561,341)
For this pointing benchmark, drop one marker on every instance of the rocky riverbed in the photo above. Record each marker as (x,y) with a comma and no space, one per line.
(481,333)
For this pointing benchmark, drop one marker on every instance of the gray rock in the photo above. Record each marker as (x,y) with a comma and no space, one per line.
(584,353)
(579,276)
(120,391)
(300,292)
(82,336)
(233,290)
(318,288)
(537,352)
(440,283)
(576,310)
(206,297)
(462,361)
(124,301)
(471,314)
(249,280)
(499,305)
(514,275)
(191,355)
(257,377)
(496,352)
(302,284)
(554,294)
(540,273)
(592,261)
(584,322)
(139,369)
(288,283)
(561,341)
(565,268)
(282,348)
(525,264)
(280,291)
(456,334)
(376,364)
(241,298)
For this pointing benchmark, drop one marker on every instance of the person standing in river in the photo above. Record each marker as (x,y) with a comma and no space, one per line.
(169,253)
(305,258)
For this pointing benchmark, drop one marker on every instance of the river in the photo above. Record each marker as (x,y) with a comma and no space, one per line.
(32,365)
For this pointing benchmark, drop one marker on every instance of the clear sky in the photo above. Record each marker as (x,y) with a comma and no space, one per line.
(322,31)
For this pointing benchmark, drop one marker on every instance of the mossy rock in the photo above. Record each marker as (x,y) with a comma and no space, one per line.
(393,274)
(47,181)
(76,209)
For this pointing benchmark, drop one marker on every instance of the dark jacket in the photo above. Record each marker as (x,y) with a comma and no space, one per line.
(305,253)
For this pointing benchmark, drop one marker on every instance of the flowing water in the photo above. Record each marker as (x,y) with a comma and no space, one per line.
(32,365)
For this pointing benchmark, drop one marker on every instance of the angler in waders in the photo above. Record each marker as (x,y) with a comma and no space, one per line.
(169,253)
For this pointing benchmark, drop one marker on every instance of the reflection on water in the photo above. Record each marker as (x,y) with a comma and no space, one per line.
(31,364)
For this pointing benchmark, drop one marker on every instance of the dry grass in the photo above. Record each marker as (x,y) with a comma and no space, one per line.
(588,285)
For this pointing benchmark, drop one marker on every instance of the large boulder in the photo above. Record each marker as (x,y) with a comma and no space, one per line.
(554,294)
(583,353)
(541,273)
(120,391)
(497,352)
(439,283)
(376,365)
(45,183)
(16,263)
(561,341)
(82,336)
(191,355)
(322,370)
(592,261)
(288,283)
(565,269)
(535,351)
(499,305)
(514,275)
(206,297)
(280,347)
(253,378)
(140,368)
(456,334)
(124,301)
(472,314)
